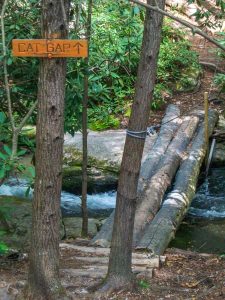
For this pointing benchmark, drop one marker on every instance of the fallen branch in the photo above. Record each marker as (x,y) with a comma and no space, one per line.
(212,66)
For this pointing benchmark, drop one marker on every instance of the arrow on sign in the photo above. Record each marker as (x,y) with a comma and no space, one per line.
(78,45)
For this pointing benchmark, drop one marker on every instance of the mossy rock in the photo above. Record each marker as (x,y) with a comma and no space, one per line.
(189,80)
(218,159)
(15,221)
(73,227)
(72,157)
(98,180)
(102,176)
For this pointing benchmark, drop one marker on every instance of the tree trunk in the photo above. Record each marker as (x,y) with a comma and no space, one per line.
(162,229)
(84,231)
(43,279)
(170,123)
(119,271)
(152,195)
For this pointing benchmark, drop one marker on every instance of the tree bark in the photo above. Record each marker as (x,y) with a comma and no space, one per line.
(170,123)
(119,271)
(43,278)
(162,229)
(152,195)
(84,231)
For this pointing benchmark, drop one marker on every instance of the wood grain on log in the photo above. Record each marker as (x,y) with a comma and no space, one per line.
(152,195)
(161,230)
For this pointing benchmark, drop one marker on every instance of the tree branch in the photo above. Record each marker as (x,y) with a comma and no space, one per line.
(194,29)
(27,116)
(64,15)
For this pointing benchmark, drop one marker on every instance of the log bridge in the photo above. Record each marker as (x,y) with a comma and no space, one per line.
(174,160)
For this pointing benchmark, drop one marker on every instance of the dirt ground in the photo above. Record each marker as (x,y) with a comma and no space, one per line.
(185,275)
(194,100)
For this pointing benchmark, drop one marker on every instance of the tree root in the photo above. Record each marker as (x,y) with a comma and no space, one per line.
(113,284)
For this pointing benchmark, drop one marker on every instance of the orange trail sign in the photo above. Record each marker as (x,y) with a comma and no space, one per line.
(50,48)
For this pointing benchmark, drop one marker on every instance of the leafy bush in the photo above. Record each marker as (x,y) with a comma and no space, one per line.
(114,55)
(219,81)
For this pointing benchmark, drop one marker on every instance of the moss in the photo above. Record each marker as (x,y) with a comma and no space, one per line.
(98,180)
(73,158)
(189,80)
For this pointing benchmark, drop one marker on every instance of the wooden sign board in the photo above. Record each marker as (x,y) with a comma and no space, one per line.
(50,48)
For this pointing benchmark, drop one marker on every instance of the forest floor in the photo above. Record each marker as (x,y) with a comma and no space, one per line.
(185,275)
(188,102)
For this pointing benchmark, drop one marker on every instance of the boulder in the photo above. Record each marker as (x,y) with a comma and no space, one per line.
(105,150)
(15,223)
(218,159)
(189,80)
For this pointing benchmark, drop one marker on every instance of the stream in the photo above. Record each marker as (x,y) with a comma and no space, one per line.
(99,205)
(203,228)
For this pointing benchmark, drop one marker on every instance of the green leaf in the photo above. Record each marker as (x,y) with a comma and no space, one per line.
(9,61)
(2,117)
(21,152)
(27,191)
(2,173)
(3,248)
(136,10)
(143,284)
(7,150)
(3,156)
(32,171)
(21,168)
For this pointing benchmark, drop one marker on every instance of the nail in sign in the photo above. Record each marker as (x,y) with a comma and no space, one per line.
(50,48)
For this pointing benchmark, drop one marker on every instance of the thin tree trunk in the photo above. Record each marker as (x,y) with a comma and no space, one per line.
(84,131)
(162,229)
(43,277)
(119,271)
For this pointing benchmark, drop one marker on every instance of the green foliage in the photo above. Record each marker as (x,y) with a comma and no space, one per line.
(143,284)
(219,81)
(3,248)
(209,15)
(174,57)
(103,123)
(114,55)
(5,128)
(10,164)
(21,21)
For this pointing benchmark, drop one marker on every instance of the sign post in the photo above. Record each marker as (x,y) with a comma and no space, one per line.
(50,48)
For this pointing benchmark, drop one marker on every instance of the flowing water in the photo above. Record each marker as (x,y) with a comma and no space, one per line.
(204,226)
(202,230)
(99,205)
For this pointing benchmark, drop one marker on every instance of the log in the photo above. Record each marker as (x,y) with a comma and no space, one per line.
(170,124)
(104,252)
(153,262)
(96,272)
(152,195)
(161,230)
